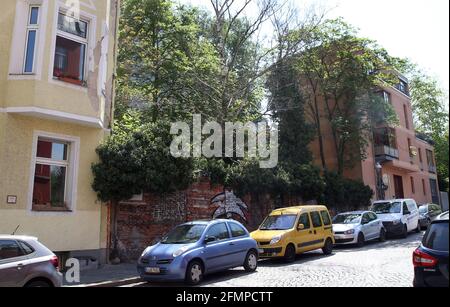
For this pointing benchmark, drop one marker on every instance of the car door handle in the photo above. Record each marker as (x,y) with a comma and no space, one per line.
(20,266)
(232,244)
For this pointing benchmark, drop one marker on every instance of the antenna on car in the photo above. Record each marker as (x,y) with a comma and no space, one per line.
(14,232)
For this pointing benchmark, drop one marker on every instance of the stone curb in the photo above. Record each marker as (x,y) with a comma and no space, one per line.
(109,284)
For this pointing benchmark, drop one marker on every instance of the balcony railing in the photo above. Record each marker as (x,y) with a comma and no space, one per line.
(386,151)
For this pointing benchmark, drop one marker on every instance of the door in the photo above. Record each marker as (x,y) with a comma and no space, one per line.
(366,227)
(304,238)
(13,270)
(217,252)
(407,216)
(239,244)
(398,185)
(375,226)
(318,231)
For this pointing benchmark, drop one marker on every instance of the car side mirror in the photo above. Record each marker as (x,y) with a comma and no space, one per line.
(210,239)
(301,227)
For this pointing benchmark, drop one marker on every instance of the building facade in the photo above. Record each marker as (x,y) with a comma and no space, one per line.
(57,62)
(400,163)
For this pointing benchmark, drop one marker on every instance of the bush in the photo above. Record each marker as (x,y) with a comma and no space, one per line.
(344,194)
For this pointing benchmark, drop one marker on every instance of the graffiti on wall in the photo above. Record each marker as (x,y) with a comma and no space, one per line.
(228,206)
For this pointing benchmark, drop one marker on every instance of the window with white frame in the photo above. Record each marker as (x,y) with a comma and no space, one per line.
(51,188)
(31,39)
(70,49)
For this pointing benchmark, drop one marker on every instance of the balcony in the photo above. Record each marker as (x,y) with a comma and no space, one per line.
(387,152)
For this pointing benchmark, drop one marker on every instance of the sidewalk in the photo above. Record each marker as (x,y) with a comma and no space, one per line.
(107,276)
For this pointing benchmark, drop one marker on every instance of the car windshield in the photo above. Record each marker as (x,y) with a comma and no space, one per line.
(347,219)
(184,234)
(279,222)
(423,209)
(388,207)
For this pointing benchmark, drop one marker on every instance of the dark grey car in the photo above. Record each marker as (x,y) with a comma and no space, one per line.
(25,262)
(428,213)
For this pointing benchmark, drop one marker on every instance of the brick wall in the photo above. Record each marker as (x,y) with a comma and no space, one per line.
(141,223)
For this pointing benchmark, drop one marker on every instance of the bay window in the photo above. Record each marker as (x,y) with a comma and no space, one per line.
(70,50)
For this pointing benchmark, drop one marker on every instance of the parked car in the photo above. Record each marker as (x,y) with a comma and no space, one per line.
(192,250)
(25,262)
(428,213)
(399,216)
(431,258)
(291,231)
(357,228)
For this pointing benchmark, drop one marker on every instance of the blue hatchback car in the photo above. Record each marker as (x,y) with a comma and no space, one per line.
(192,250)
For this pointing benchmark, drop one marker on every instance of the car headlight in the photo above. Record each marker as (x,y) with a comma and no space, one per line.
(396,222)
(181,251)
(275,240)
(350,232)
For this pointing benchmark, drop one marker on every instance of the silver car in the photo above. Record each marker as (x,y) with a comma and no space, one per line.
(25,262)
(358,227)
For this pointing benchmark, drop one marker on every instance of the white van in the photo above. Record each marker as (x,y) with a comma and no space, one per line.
(399,216)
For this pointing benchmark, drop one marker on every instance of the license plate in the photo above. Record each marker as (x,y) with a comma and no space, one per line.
(152,270)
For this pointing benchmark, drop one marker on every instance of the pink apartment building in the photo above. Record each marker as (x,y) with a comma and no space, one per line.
(400,163)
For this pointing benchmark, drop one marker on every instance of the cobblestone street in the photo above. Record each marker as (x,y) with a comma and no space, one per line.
(386,264)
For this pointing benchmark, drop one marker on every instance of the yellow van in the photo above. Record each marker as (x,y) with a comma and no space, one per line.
(290,231)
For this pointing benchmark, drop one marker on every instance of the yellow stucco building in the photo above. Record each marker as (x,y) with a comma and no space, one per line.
(56,95)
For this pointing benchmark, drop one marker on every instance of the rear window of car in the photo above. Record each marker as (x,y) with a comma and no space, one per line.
(236,230)
(436,237)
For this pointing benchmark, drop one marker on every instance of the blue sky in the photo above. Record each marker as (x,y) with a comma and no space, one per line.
(415,29)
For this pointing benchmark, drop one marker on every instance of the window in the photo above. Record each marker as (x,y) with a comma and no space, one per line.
(405,208)
(219,231)
(304,219)
(413,186)
(236,230)
(70,50)
(424,187)
(316,221)
(410,148)
(430,161)
(437,237)
(50,176)
(365,219)
(27,249)
(31,40)
(420,155)
(10,249)
(405,112)
(373,216)
(403,87)
(326,218)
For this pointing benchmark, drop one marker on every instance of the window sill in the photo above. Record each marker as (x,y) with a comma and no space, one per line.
(69,81)
(50,209)
(23,74)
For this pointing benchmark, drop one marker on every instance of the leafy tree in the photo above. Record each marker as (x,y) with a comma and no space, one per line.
(339,72)
(431,118)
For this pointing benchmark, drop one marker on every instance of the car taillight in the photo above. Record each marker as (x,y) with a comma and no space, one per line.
(421,259)
(55,261)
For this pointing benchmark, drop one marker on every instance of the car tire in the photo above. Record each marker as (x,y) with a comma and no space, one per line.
(328,247)
(251,261)
(382,235)
(194,273)
(290,254)
(361,240)
(38,284)
(405,232)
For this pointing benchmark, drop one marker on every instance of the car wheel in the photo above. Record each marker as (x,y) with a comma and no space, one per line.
(38,284)
(290,253)
(361,240)
(194,273)
(328,247)
(251,261)
(382,235)
(405,232)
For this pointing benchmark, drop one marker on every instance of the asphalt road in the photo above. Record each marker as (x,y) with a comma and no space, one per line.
(387,264)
